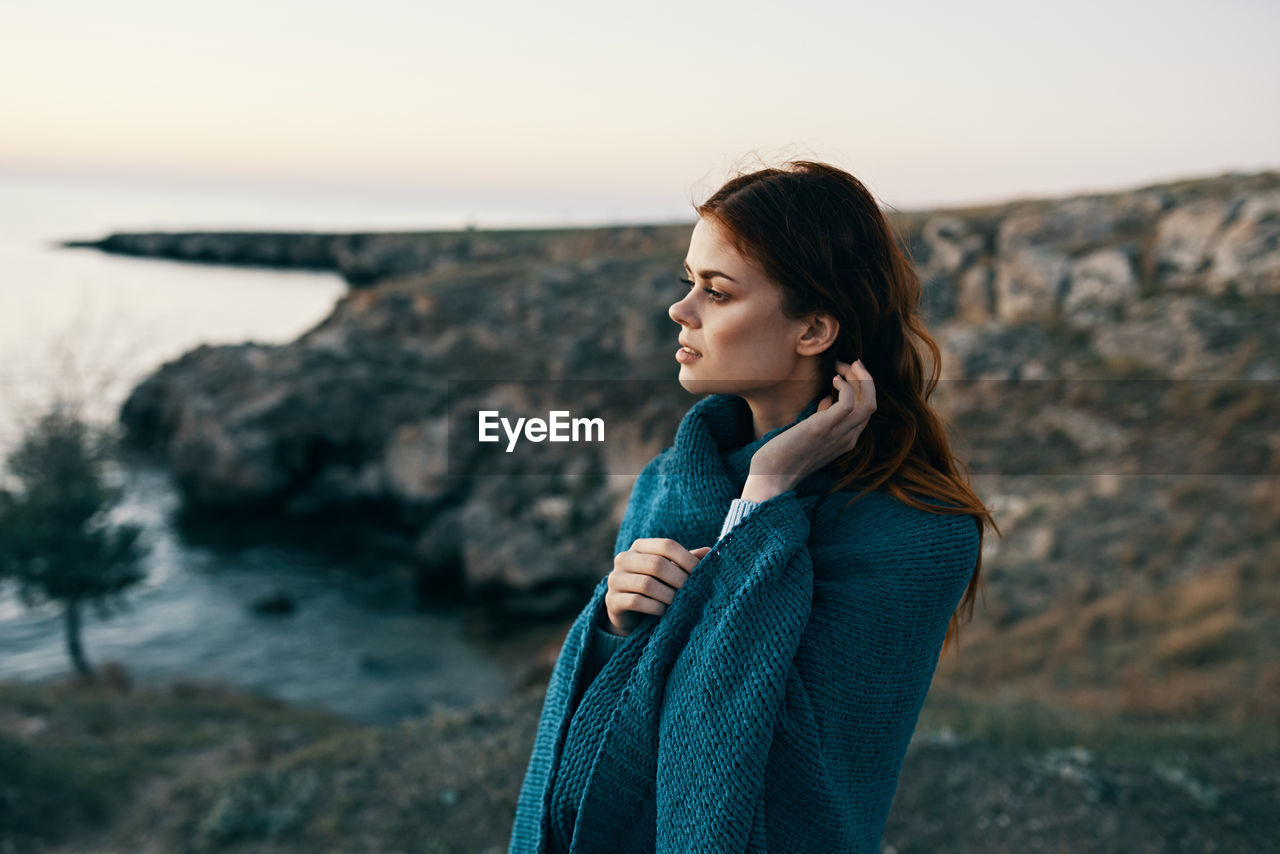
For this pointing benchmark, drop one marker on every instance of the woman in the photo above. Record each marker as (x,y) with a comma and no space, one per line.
(756,690)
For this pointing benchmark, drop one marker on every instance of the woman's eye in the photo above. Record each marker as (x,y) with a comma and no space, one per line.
(713,295)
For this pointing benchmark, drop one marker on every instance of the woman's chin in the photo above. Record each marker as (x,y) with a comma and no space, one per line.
(700,386)
(730,385)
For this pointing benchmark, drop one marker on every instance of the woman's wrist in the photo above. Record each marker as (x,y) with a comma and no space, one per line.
(761,487)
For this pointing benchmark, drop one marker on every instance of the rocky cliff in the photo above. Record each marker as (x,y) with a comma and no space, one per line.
(1173,288)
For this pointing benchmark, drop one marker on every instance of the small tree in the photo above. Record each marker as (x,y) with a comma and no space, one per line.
(55,543)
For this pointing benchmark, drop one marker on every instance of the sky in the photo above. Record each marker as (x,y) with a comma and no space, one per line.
(640,108)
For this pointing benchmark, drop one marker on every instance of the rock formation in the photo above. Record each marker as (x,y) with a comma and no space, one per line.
(1177,283)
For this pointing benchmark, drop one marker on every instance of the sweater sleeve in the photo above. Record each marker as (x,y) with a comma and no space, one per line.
(604,642)
(763,739)
(725,691)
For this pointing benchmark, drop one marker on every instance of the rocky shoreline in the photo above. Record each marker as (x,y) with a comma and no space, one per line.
(1175,283)
(365,258)
(1130,598)
(1121,427)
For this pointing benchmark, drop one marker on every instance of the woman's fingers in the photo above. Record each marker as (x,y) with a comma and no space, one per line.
(846,390)
(856,391)
(667,548)
(632,593)
(641,585)
(866,385)
(663,560)
(856,386)
(646,576)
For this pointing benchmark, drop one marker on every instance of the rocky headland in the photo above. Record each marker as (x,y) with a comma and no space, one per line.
(1110,369)
(1110,366)
(366,258)
(1174,289)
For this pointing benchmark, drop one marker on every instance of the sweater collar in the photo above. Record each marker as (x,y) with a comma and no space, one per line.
(714,441)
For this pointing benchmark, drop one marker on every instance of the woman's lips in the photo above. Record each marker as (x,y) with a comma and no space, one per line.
(684,356)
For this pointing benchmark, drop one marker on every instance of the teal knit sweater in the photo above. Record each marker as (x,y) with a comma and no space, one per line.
(770,708)
(604,643)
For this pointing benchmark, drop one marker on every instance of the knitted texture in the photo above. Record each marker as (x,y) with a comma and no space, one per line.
(770,707)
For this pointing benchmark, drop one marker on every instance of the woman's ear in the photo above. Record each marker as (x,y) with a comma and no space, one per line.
(818,335)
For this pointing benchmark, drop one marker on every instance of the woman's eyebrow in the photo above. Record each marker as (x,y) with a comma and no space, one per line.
(709,274)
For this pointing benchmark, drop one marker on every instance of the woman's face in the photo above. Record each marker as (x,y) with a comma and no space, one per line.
(732,319)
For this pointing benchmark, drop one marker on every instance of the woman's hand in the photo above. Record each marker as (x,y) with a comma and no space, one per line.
(809,445)
(645,579)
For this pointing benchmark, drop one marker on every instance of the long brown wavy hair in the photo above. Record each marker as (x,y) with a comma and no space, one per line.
(819,234)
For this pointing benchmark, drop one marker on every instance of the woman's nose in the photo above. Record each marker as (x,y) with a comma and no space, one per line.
(678,312)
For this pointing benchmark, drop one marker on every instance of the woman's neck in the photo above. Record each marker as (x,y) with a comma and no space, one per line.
(779,405)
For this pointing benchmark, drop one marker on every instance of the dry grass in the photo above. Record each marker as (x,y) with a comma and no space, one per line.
(1175,622)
